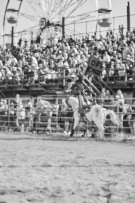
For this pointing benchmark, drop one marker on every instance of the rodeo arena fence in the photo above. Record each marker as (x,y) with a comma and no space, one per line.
(39,115)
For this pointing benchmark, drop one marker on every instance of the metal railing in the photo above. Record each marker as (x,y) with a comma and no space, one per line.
(58,121)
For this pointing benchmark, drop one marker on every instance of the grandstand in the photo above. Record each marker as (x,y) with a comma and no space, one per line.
(45,68)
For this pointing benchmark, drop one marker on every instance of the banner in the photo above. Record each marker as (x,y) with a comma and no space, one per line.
(94,63)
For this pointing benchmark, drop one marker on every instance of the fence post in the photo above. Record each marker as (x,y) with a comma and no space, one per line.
(118,116)
(57,108)
(8,113)
(64,73)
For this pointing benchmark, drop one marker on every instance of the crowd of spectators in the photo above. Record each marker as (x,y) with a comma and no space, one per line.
(107,98)
(30,63)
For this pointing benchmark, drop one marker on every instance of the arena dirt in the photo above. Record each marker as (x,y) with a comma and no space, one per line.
(37,170)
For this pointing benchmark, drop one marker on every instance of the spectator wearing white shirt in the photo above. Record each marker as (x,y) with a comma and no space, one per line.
(106,57)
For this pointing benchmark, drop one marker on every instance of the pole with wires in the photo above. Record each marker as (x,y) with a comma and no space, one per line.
(12,36)
(128,17)
(63,27)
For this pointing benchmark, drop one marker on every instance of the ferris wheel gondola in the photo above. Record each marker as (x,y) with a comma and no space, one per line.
(104,15)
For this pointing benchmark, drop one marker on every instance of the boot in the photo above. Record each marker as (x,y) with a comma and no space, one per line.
(72,133)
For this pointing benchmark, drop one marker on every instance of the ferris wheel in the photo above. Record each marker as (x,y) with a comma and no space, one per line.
(46,17)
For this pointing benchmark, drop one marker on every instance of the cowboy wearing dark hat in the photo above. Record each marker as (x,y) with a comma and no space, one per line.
(78,90)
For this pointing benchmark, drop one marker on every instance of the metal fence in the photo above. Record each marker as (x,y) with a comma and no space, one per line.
(31,118)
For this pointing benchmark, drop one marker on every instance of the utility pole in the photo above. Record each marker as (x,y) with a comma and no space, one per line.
(128,17)
(12,37)
(63,27)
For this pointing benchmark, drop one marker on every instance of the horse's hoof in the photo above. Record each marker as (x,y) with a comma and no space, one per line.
(72,133)
(102,140)
(65,133)
(48,132)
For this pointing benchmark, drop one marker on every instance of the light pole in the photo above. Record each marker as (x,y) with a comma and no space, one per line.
(128,17)
(12,36)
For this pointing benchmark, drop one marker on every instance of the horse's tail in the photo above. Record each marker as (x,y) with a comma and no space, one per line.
(65,103)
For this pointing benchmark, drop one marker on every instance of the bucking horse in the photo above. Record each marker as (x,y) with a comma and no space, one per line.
(95,113)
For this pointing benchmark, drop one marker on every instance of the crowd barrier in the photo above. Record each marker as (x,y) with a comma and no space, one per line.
(29,79)
(58,78)
(52,119)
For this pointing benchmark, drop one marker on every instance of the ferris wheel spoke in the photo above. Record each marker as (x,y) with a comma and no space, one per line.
(56,7)
(80,3)
(41,7)
(30,17)
(72,17)
(53,8)
(49,9)
(69,6)
(83,17)
(28,29)
(64,7)
(44,8)
(31,4)
(56,10)
(34,2)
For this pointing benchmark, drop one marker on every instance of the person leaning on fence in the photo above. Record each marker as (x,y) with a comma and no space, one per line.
(109,98)
(3,106)
(18,100)
(3,113)
(120,98)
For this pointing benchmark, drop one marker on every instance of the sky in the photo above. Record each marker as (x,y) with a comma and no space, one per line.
(118,9)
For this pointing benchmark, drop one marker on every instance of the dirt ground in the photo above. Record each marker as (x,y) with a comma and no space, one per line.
(38,170)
